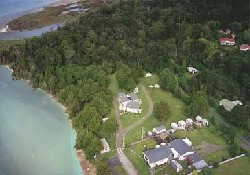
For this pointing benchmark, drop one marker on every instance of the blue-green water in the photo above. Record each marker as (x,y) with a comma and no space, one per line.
(35,134)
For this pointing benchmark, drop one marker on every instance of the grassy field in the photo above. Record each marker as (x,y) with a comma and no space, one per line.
(199,135)
(6,44)
(138,162)
(235,167)
(157,95)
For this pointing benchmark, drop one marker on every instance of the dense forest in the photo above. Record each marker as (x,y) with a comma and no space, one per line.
(127,38)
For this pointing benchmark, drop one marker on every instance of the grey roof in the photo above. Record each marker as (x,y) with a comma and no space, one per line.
(133,105)
(122,97)
(194,158)
(159,128)
(156,154)
(180,146)
(133,96)
(197,161)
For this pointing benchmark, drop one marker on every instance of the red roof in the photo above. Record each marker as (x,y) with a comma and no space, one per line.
(244,47)
(222,40)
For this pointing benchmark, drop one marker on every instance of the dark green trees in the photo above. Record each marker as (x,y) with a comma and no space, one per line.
(162,111)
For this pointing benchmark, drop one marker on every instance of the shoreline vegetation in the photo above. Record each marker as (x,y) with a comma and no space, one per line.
(48,15)
(87,167)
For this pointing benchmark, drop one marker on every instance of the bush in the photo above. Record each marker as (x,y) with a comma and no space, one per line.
(216,165)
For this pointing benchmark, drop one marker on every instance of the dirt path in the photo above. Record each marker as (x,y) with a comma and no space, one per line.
(207,148)
(126,163)
(147,115)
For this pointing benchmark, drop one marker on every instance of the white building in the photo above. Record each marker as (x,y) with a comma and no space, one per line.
(148,75)
(157,156)
(159,129)
(181,124)
(105,145)
(129,103)
(192,70)
(174,125)
(180,148)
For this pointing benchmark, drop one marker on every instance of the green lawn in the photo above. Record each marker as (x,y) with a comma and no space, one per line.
(216,156)
(235,167)
(139,164)
(136,134)
(199,135)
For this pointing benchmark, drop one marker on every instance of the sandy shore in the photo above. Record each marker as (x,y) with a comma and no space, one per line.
(62,2)
(87,167)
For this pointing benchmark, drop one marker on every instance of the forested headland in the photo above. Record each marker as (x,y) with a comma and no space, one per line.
(127,38)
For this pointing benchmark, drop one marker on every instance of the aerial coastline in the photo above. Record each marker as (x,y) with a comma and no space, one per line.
(39,17)
(87,167)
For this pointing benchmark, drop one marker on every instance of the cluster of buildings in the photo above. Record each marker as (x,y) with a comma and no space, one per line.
(229,40)
(229,105)
(172,152)
(130,103)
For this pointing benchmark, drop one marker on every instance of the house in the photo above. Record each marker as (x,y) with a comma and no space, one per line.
(204,122)
(136,90)
(133,107)
(105,119)
(180,148)
(157,156)
(176,166)
(244,47)
(181,124)
(196,161)
(192,70)
(227,104)
(129,103)
(237,102)
(227,41)
(189,121)
(174,125)
(105,146)
(198,118)
(157,86)
(148,75)
(159,129)
(150,134)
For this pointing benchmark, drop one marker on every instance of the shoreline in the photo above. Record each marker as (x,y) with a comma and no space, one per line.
(35,11)
(87,167)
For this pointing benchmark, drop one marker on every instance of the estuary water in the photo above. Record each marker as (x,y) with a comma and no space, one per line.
(35,135)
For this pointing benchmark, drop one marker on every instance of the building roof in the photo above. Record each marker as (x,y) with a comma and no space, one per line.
(159,128)
(104,143)
(193,158)
(133,96)
(122,97)
(181,122)
(192,69)
(222,40)
(244,47)
(157,154)
(196,161)
(227,104)
(189,120)
(175,165)
(180,146)
(198,118)
(133,105)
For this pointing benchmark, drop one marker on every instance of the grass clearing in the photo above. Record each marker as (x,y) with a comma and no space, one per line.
(216,156)
(235,167)
(199,135)
(139,164)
